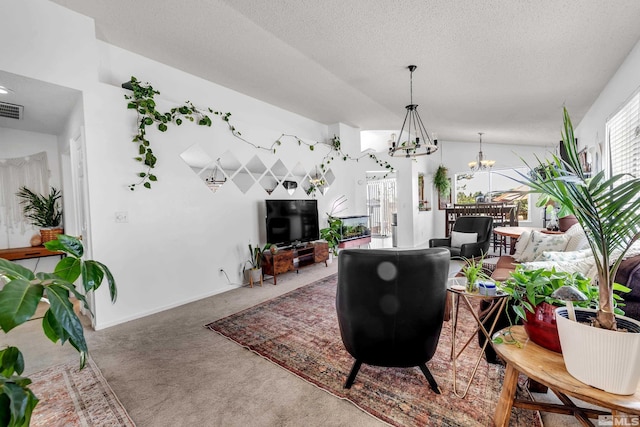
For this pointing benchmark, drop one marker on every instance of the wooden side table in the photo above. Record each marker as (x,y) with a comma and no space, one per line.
(498,302)
(547,367)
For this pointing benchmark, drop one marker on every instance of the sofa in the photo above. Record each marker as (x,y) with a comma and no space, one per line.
(574,257)
(548,251)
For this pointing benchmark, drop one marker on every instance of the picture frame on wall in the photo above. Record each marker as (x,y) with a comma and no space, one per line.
(445,200)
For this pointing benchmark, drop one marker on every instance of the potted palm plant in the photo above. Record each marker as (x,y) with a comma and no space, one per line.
(607,209)
(44,211)
(19,298)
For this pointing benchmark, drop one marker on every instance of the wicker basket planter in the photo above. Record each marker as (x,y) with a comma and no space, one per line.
(48,234)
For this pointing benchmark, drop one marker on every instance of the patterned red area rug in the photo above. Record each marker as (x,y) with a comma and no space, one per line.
(299,331)
(70,397)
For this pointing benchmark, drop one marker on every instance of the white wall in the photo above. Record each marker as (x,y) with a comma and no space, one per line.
(179,234)
(591,130)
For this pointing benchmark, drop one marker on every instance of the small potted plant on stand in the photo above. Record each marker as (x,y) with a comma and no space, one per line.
(255,260)
(43,211)
(607,209)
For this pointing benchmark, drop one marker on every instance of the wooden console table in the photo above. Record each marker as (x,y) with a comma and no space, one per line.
(13,254)
(292,259)
(547,367)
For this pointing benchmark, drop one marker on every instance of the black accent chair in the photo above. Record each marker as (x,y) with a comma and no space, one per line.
(483,225)
(390,306)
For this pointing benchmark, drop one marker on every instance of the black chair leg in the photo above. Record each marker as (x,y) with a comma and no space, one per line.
(432,381)
(352,374)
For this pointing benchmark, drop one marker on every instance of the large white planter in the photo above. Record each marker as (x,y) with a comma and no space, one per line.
(608,360)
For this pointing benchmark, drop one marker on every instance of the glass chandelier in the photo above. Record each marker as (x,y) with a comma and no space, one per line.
(480,163)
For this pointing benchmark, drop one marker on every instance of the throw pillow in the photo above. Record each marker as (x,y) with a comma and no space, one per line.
(521,244)
(577,238)
(541,242)
(458,239)
(578,266)
(564,256)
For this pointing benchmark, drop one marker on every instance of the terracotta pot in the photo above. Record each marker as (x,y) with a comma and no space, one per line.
(566,222)
(541,327)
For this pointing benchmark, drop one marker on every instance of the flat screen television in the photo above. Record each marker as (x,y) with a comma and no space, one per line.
(291,222)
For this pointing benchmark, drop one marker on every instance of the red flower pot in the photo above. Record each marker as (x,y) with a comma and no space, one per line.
(541,327)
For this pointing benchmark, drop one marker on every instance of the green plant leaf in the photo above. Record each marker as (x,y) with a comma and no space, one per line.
(15,271)
(12,361)
(62,310)
(18,302)
(22,402)
(70,245)
(68,269)
(51,327)
(92,275)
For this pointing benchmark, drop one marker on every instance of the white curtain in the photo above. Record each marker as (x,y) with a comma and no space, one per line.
(29,171)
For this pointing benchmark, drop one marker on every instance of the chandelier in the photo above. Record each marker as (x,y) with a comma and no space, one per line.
(422,144)
(481,163)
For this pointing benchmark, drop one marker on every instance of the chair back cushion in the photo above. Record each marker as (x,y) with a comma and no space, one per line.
(458,238)
(390,303)
(483,225)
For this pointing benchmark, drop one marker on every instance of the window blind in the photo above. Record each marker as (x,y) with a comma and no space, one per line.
(623,136)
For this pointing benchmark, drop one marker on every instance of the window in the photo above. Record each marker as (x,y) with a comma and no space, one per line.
(623,139)
(494,186)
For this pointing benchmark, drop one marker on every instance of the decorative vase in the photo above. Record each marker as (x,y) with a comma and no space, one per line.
(552,224)
(566,222)
(541,327)
(608,360)
(471,286)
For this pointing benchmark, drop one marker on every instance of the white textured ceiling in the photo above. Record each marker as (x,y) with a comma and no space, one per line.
(503,67)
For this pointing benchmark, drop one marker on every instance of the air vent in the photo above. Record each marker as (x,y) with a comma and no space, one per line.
(11,111)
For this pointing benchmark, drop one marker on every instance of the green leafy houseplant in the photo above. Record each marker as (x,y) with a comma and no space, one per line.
(441,180)
(528,288)
(43,211)
(19,298)
(332,233)
(606,208)
(473,272)
(256,254)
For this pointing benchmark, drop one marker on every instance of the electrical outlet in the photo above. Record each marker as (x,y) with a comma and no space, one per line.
(121,217)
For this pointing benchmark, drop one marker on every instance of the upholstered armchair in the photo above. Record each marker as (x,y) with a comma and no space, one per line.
(390,306)
(470,237)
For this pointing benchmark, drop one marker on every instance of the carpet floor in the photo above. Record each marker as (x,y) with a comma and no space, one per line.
(70,397)
(299,332)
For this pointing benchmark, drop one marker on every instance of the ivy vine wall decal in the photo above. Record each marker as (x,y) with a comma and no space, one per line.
(142,100)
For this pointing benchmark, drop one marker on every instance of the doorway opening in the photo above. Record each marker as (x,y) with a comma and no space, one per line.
(382,198)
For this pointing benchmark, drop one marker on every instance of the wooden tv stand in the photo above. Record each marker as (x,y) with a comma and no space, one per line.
(293,259)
